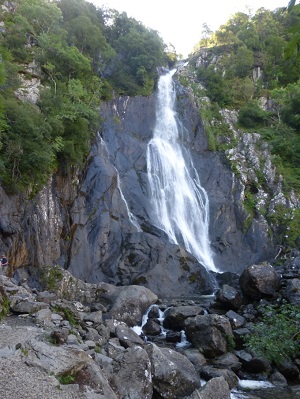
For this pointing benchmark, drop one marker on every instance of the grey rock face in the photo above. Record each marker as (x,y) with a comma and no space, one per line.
(98,224)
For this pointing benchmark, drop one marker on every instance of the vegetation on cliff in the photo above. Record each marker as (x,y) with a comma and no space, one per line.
(78,54)
(253,58)
(251,67)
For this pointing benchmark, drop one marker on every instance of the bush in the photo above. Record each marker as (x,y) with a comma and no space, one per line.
(277,336)
(252,115)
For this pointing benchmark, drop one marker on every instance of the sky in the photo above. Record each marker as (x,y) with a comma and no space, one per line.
(181,22)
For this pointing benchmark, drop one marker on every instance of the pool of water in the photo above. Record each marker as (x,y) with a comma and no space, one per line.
(263,390)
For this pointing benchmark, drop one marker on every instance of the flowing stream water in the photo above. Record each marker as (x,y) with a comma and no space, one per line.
(180,203)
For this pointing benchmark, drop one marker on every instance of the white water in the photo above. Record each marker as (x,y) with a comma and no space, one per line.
(163,332)
(161,316)
(180,203)
(131,217)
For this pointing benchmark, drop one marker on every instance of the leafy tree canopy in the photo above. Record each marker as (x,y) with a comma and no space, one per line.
(81,54)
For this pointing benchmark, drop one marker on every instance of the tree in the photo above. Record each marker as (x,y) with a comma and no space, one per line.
(244,61)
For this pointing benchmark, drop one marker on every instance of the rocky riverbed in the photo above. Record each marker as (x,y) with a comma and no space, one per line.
(93,340)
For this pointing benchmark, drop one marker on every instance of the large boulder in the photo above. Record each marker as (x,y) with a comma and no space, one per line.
(56,360)
(229,297)
(131,303)
(258,281)
(173,375)
(216,388)
(211,333)
(292,291)
(132,374)
(175,316)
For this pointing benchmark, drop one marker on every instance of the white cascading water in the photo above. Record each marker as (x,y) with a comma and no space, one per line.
(180,203)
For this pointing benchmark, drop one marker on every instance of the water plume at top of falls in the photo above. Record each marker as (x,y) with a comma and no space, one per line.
(180,204)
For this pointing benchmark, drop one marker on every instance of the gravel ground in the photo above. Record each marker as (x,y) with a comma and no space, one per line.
(19,380)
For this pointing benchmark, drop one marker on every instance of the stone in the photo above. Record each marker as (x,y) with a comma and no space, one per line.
(175,316)
(43,315)
(229,297)
(72,340)
(292,291)
(127,336)
(173,375)
(56,360)
(92,335)
(278,379)
(235,319)
(210,333)
(209,372)
(228,360)
(28,306)
(91,344)
(94,317)
(152,327)
(195,357)
(130,304)
(216,388)
(289,370)
(132,374)
(252,363)
(259,281)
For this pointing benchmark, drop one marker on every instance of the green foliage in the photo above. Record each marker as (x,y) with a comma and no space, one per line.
(65,379)
(82,55)
(25,145)
(215,84)
(51,278)
(140,52)
(4,303)
(217,131)
(286,223)
(252,115)
(67,314)
(277,336)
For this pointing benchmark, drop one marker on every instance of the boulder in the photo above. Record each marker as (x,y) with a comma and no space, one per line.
(93,376)
(289,369)
(228,360)
(292,291)
(258,281)
(131,303)
(210,333)
(173,375)
(132,374)
(209,372)
(152,327)
(28,306)
(235,319)
(252,363)
(56,360)
(127,336)
(229,297)
(175,316)
(195,357)
(216,388)
(278,379)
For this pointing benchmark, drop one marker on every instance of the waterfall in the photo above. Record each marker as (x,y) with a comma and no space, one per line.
(180,204)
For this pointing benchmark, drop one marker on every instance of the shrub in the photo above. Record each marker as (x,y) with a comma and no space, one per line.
(252,115)
(276,336)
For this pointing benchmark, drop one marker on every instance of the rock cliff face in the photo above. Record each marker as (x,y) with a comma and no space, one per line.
(99,227)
